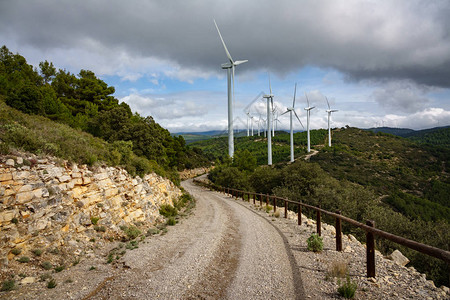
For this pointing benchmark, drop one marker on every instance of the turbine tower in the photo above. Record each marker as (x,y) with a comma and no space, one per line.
(269,98)
(308,114)
(290,110)
(329,111)
(230,76)
(248,123)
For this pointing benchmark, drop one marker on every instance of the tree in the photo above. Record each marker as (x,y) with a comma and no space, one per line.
(48,71)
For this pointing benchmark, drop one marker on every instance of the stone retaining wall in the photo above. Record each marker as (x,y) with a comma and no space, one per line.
(48,203)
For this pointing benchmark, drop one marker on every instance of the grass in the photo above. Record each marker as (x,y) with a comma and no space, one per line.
(315,243)
(338,269)
(59,268)
(94,220)
(171,221)
(37,252)
(24,259)
(16,251)
(51,284)
(8,285)
(46,265)
(168,210)
(132,232)
(347,289)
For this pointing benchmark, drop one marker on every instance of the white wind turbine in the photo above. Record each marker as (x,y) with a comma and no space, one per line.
(329,111)
(291,110)
(251,121)
(230,72)
(308,114)
(248,123)
(269,98)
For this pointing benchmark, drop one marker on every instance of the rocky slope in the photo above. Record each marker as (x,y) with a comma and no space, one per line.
(51,210)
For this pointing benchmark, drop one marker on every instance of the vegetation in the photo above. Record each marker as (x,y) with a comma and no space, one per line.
(347,289)
(8,285)
(46,265)
(37,252)
(51,284)
(16,251)
(132,232)
(315,243)
(168,210)
(24,259)
(86,104)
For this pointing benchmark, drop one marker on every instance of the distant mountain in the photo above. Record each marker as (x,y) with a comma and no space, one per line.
(395,131)
(438,136)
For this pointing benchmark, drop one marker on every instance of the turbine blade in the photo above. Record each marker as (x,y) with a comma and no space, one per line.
(224,46)
(284,112)
(328,103)
(238,62)
(270,86)
(306,95)
(295,91)
(299,119)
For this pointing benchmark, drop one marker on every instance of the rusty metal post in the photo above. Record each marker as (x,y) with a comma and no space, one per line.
(260,199)
(267,200)
(254,199)
(338,233)
(285,209)
(299,214)
(318,223)
(274,204)
(370,250)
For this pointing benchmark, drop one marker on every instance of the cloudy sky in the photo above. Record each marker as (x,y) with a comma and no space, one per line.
(378,62)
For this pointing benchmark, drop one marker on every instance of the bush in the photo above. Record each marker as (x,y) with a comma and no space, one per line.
(51,284)
(338,269)
(348,289)
(24,259)
(37,252)
(16,251)
(94,220)
(59,268)
(132,232)
(46,265)
(315,243)
(8,285)
(171,221)
(168,210)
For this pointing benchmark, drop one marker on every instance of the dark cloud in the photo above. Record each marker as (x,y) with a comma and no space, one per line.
(363,39)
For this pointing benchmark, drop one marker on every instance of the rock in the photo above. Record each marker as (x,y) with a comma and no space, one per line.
(25,197)
(399,258)
(10,162)
(28,280)
(6,176)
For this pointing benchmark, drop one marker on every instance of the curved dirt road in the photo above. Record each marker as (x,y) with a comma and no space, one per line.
(222,251)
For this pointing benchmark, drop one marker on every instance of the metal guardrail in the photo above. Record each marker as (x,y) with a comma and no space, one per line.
(369,227)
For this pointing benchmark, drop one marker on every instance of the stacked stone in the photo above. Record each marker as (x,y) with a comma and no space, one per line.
(46,202)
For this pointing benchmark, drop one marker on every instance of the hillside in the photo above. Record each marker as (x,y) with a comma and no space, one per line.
(86,104)
(438,136)
(402,185)
(217,148)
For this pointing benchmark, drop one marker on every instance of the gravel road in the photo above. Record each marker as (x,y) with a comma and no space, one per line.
(223,250)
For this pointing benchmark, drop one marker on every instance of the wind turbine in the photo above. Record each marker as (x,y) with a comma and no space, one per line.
(248,125)
(290,110)
(230,76)
(251,121)
(269,98)
(329,111)
(308,114)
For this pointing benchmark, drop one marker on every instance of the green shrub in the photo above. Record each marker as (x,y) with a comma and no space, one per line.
(171,221)
(14,220)
(315,243)
(37,252)
(94,220)
(168,210)
(152,231)
(268,208)
(132,231)
(348,289)
(46,265)
(8,285)
(51,284)
(24,259)
(59,268)
(100,228)
(16,251)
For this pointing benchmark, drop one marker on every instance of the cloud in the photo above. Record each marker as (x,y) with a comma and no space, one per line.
(361,38)
(401,96)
